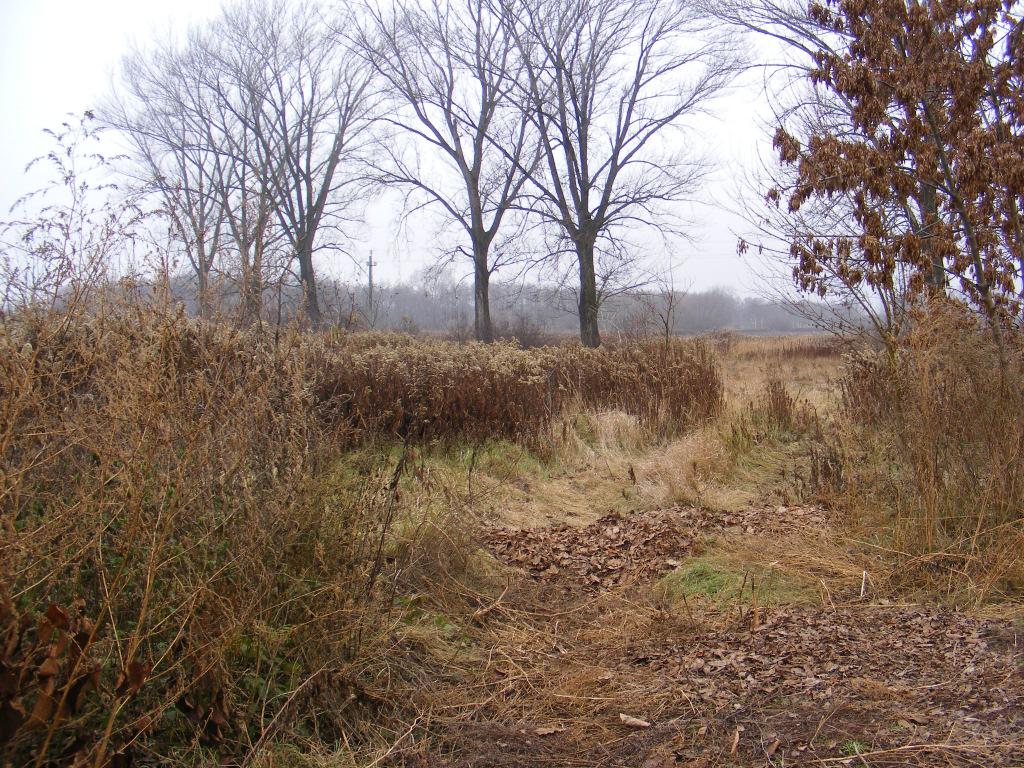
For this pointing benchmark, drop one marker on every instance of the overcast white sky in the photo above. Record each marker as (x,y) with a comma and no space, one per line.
(59,56)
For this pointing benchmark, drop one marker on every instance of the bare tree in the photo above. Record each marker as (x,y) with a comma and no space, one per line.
(248,131)
(172,158)
(309,103)
(655,308)
(185,109)
(607,83)
(664,304)
(451,67)
(243,171)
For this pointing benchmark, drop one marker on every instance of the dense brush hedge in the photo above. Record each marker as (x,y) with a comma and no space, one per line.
(180,577)
(389,384)
(173,561)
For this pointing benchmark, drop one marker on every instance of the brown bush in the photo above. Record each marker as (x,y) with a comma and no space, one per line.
(669,387)
(384,384)
(180,564)
(937,439)
(174,562)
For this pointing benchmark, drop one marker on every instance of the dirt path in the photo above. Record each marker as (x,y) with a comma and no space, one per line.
(650,640)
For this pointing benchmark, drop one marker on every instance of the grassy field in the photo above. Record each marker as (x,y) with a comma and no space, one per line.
(368,550)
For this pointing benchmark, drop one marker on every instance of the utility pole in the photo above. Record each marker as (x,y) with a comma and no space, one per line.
(370,318)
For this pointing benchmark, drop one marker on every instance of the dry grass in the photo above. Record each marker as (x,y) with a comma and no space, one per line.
(181,573)
(934,451)
(199,556)
(815,560)
(920,449)
(807,365)
(777,389)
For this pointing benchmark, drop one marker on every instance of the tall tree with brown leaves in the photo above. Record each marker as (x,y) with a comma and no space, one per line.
(933,91)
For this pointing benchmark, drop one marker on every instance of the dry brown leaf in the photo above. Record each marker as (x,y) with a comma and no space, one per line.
(660,760)
(915,718)
(58,617)
(131,679)
(633,722)
(735,741)
(44,709)
(547,730)
(49,667)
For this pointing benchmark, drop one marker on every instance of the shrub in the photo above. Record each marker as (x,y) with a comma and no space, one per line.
(383,384)
(937,439)
(175,567)
(670,387)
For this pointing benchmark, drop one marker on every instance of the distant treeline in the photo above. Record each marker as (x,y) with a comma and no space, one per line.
(548,309)
(532,312)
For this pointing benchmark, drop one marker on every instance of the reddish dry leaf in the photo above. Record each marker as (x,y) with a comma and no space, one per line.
(914,718)
(44,708)
(49,667)
(131,679)
(90,681)
(58,617)
(660,759)
(735,741)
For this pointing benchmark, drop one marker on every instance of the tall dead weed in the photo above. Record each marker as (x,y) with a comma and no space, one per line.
(935,452)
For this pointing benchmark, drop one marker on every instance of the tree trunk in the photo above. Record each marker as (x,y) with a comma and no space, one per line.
(252,291)
(202,265)
(203,291)
(304,253)
(482,327)
(589,333)
(929,218)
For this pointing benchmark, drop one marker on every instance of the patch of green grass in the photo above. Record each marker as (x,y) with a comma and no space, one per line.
(347,476)
(722,581)
(853,747)
(502,459)
(700,577)
(586,429)
(418,610)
